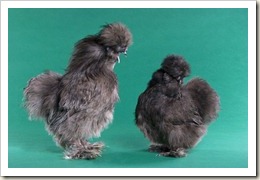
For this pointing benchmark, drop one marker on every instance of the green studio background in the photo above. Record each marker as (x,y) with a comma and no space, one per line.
(213,41)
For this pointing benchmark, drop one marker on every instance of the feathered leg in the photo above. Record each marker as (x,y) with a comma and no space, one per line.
(164,150)
(83,150)
(71,136)
(179,152)
(158,148)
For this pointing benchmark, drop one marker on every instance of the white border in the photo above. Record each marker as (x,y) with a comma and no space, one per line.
(126,4)
(252,87)
(4,89)
(250,171)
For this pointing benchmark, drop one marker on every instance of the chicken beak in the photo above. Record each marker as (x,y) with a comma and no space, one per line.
(179,80)
(125,53)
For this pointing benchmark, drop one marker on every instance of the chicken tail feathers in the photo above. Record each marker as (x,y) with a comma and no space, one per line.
(41,95)
(206,99)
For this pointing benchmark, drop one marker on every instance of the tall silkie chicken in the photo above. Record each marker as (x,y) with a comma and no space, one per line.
(173,116)
(78,105)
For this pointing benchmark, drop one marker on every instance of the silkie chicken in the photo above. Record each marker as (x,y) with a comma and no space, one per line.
(174,117)
(78,105)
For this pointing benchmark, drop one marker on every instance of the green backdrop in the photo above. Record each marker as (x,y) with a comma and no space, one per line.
(213,41)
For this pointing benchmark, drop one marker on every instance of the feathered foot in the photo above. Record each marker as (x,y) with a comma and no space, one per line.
(84,151)
(180,152)
(158,148)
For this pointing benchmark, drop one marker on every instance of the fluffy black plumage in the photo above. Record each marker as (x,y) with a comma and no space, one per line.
(79,104)
(173,116)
